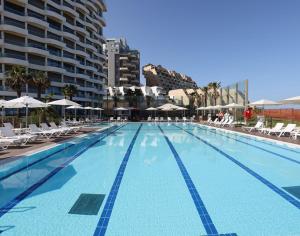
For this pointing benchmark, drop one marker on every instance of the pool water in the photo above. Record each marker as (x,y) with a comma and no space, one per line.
(154,179)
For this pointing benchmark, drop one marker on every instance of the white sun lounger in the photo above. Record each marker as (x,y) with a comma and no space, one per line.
(7,132)
(259,125)
(287,130)
(276,129)
(169,119)
(16,139)
(149,118)
(46,133)
(156,119)
(65,130)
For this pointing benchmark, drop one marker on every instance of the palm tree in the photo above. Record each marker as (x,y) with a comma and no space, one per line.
(70,91)
(17,78)
(215,93)
(39,80)
(205,91)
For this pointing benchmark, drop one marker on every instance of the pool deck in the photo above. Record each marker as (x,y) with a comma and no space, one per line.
(14,152)
(258,134)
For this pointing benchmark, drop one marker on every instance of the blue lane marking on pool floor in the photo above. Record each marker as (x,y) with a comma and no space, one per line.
(6,208)
(252,145)
(50,155)
(108,207)
(266,182)
(202,211)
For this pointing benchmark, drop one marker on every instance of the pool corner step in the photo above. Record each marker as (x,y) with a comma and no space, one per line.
(87,204)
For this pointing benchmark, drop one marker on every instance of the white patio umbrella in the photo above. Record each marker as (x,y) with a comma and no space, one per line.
(234,106)
(152,109)
(2,104)
(293,100)
(168,106)
(63,103)
(100,110)
(262,103)
(121,109)
(182,109)
(25,101)
(75,108)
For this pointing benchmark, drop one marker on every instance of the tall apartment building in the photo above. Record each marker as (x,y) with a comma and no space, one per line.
(166,79)
(123,64)
(63,38)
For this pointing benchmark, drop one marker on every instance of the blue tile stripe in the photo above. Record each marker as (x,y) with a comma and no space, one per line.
(48,156)
(254,139)
(252,145)
(202,211)
(108,207)
(274,188)
(27,192)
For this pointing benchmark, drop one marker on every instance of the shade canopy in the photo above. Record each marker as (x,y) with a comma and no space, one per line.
(98,109)
(168,107)
(25,101)
(2,103)
(64,102)
(88,108)
(234,105)
(121,109)
(209,108)
(75,107)
(293,100)
(182,109)
(151,109)
(264,102)
(200,108)
(217,107)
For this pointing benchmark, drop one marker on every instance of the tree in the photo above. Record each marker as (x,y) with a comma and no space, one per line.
(17,78)
(39,80)
(215,93)
(205,94)
(70,91)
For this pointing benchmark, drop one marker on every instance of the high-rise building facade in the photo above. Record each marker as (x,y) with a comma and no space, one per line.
(166,79)
(63,38)
(123,64)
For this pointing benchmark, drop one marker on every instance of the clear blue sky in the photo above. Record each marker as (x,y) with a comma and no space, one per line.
(216,40)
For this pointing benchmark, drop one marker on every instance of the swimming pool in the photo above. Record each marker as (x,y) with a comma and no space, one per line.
(148,179)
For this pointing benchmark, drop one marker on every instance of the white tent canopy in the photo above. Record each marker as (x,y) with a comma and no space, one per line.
(264,102)
(75,107)
(168,107)
(151,109)
(293,100)
(63,102)
(121,109)
(98,109)
(88,108)
(234,105)
(25,101)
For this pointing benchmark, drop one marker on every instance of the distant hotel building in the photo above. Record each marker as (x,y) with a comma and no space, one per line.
(168,80)
(123,64)
(61,37)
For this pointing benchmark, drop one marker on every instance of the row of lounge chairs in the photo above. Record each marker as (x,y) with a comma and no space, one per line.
(169,119)
(291,130)
(224,122)
(119,119)
(8,137)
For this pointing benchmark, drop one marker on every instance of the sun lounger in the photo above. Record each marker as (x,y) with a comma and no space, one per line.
(169,119)
(5,142)
(161,119)
(156,119)
(177,119)
(276,129)
(184,119)
(45,133)
(296,133)
(112,119)
(65,130)
(287,130)
(259,125)
(229,122)
(7,132)
(149,118)
(73,128)
(44,126)
(18,140)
